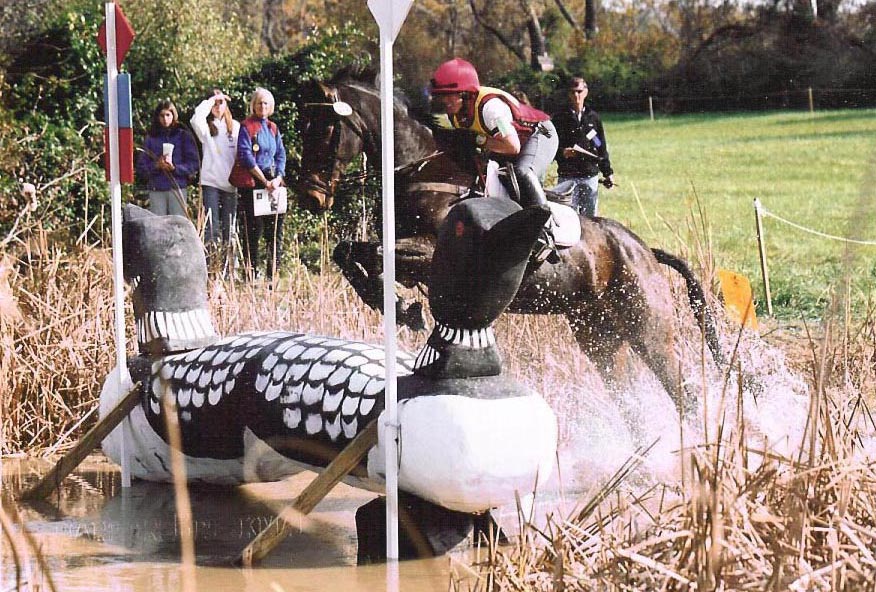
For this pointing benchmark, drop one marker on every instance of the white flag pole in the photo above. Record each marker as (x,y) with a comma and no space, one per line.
(115,187)
(389,15)
(389,297)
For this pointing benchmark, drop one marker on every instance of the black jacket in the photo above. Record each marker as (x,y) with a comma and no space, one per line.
(572,132)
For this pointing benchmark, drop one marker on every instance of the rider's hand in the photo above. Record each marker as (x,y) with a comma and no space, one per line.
(569,153)
(608,181)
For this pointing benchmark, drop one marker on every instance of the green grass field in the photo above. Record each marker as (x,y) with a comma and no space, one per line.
(816,170)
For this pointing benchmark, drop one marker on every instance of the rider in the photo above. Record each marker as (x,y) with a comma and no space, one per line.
(505,128)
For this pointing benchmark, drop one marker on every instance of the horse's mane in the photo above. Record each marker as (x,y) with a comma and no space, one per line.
(417,133)
(413,138)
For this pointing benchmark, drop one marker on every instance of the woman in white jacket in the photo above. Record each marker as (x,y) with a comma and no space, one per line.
(217,130)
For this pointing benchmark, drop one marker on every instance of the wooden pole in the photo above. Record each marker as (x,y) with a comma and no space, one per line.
(761,247)
(279,528)
(651,106)
(83,448)
(811,102)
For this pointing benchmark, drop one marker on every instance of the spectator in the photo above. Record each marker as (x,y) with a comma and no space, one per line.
(218,132)
(168,161)
(505,128)
(583,151)
(261,154)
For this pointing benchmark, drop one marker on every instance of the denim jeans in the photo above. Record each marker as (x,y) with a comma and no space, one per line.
(221,210)
(165,203)
(585,197)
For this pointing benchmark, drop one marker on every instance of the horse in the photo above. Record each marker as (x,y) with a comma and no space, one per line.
(608,284)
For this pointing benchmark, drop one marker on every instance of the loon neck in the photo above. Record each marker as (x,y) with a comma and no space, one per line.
(459,353)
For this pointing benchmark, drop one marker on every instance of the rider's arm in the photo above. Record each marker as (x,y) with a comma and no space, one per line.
(504,140)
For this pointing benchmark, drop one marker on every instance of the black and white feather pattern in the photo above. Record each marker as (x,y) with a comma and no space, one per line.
(280,385)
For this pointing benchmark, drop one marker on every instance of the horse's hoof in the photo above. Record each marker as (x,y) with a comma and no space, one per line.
(343,252)
(411,317)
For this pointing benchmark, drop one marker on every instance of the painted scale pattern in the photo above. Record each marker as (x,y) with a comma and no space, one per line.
(280,385)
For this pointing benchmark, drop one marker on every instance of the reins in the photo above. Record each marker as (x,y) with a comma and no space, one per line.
(354,121)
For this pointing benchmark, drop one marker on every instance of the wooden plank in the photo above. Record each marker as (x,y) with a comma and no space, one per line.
(280,526)
(83,448)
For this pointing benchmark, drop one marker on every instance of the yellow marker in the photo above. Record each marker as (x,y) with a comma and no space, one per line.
(738,299)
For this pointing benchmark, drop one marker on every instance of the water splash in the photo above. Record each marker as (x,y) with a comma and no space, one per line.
(606,426)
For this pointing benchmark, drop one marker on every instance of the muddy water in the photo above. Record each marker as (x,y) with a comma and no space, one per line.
(98,536)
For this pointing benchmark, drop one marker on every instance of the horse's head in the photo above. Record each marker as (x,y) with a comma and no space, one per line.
(334,133)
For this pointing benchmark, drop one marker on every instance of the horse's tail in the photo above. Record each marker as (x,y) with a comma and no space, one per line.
(697,299)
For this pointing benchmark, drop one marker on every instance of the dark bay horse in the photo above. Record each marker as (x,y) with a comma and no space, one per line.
(609,285)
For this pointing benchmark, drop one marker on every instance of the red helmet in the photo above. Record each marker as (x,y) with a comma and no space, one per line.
(455,76)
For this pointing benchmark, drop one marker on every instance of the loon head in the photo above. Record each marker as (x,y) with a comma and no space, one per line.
(164,261)
(481,254)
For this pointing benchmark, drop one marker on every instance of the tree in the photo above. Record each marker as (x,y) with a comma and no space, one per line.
(590,27)
(536,38)
(530,18)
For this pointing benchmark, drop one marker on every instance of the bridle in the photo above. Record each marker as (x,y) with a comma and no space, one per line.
(356,124)
(328,170)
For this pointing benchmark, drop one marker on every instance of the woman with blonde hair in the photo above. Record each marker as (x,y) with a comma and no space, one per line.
(261,153)
(218,132)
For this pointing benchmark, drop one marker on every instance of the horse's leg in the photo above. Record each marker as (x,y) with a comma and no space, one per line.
(361,265)
(598,339)
(413,262)
(655,344)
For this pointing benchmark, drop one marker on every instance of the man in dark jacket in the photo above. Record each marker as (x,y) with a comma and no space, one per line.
(583,151)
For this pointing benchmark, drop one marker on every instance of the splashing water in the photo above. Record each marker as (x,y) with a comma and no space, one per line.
(606,426)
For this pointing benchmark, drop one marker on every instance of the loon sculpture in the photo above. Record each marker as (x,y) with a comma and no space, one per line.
(262,406)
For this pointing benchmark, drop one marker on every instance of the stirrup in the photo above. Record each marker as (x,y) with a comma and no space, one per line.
(545,248)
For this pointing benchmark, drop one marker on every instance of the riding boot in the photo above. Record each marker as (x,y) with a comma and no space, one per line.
(508,178)
(532,195)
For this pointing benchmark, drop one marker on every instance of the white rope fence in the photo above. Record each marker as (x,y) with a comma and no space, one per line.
(766,212)
(759,213)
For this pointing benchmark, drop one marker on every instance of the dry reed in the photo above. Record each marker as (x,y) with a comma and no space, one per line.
(743,518)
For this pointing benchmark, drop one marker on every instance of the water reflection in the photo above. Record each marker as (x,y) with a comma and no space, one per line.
(97,536)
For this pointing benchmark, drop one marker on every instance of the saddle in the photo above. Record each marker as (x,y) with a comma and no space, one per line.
(564,224)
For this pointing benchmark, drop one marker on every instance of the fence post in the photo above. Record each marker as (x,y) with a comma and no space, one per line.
(811,102)
(763,260)
(651,107)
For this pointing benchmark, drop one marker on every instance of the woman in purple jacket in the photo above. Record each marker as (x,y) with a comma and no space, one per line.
(168,161)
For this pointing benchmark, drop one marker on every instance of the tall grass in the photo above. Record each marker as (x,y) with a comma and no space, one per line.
(816,170)
(742,518)
(57,338)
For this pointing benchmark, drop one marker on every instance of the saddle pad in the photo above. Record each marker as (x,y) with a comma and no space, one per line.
(565,224)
